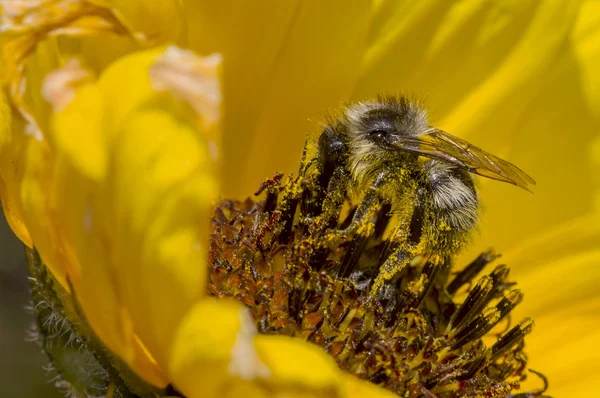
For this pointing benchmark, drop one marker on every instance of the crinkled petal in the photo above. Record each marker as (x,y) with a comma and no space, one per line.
(283,63)
(27,23)
(82,26)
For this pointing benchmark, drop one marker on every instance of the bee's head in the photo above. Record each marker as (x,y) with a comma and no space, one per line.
(382,122)
(374,127)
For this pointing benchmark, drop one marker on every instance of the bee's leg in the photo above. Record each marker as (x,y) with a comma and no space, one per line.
(328,218)
(393,265)
(406,245)
(331,162)
(336,195)
(322,202)
(369,204)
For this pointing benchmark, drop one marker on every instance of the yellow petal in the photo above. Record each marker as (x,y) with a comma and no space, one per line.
(213,353)
(555,143)
(159,20)
(559,275)
(293,362)
(78,126)
(132,195)
(586,50)
(217,354)
(353,387)
(11,172)
(284,62)
(36,210)
(29,25)
(26,23)
(469,52)
(162,190)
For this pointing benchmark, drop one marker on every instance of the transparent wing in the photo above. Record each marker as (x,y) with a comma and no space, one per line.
(441,145)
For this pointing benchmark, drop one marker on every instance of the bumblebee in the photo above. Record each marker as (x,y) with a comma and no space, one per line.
(385,153)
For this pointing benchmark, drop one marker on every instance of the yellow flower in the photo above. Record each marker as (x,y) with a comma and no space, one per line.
(108,169)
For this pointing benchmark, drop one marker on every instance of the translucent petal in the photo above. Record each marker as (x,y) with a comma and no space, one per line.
(283,63)
(26,23)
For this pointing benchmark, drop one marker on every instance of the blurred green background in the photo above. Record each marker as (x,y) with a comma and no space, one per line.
(22,364)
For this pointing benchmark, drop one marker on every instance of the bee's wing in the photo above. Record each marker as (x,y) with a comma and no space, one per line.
(441,145)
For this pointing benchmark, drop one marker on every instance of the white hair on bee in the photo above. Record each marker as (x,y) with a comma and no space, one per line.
(360,159)
(454,196)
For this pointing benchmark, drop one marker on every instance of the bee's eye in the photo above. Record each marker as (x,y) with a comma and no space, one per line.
(378,134)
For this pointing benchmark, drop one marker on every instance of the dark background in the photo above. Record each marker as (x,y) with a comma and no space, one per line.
(22,364)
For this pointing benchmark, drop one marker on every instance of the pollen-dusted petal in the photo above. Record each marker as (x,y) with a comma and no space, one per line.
(213,353)
(60,85)
(192,79)
(283,63)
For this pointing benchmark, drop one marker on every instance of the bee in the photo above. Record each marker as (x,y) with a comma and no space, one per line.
(387,152)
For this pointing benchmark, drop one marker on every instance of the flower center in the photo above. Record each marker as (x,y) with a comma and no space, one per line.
(419,331)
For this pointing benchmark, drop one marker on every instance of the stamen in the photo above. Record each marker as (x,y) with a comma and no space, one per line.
(472,270)
(486,320)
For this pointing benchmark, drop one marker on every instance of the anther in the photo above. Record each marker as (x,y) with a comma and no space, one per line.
(471,270)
